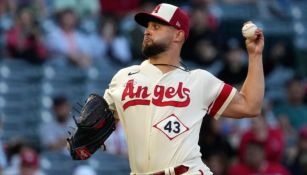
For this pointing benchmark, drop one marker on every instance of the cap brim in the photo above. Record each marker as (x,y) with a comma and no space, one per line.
(143,19)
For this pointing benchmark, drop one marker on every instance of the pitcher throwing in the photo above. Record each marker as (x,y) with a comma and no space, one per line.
(161,103)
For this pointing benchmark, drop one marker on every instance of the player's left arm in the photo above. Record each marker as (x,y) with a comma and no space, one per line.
(248,102)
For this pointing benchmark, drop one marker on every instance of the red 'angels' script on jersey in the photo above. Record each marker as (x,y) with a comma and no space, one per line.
(162,96)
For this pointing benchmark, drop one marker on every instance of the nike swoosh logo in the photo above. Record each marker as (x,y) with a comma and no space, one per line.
(132,73)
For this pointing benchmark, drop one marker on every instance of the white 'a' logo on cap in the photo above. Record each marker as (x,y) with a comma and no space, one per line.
(165,11)
(156,9)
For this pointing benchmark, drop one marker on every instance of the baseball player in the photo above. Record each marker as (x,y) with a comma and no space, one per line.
(161,103)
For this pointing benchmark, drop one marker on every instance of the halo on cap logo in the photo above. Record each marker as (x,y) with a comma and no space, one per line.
(178,24)
(156,9)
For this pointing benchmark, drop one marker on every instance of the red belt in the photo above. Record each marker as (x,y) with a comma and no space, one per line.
(178,170)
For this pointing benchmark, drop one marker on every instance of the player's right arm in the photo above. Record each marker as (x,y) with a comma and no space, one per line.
(248,102)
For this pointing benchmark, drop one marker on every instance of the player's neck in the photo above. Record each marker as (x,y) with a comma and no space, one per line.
(162,60)
(168,57)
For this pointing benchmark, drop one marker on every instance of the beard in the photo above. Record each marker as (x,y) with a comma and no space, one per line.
(153,49)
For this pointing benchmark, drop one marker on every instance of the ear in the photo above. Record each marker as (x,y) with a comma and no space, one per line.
(179,36)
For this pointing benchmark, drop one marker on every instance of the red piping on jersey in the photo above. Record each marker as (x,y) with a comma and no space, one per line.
(218,103)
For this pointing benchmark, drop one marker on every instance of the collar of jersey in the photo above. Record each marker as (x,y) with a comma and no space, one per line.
(146,66)
(150,69)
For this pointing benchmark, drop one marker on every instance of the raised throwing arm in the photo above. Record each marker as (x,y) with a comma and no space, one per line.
(248,101)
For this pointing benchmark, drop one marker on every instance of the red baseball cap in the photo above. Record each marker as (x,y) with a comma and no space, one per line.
(170,14)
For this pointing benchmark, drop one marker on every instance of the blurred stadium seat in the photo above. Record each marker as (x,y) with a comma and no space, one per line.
(103,163)
(24,89)
(278,27)
(242,11)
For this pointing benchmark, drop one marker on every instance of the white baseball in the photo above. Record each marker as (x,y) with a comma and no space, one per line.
(248,30)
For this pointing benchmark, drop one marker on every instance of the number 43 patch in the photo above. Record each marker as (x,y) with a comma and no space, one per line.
(171,126)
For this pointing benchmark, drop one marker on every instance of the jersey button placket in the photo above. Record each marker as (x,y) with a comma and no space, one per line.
(151,118)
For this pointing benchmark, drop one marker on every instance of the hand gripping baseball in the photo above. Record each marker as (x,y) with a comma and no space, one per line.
(255,45)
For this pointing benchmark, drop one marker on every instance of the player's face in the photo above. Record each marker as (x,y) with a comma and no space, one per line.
(157,38)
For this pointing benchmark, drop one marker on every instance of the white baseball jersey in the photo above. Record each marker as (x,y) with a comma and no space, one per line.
(162,114)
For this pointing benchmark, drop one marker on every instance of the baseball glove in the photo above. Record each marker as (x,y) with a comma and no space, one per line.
(94,126)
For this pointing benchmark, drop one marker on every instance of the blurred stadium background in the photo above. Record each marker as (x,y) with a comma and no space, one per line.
(55,52)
